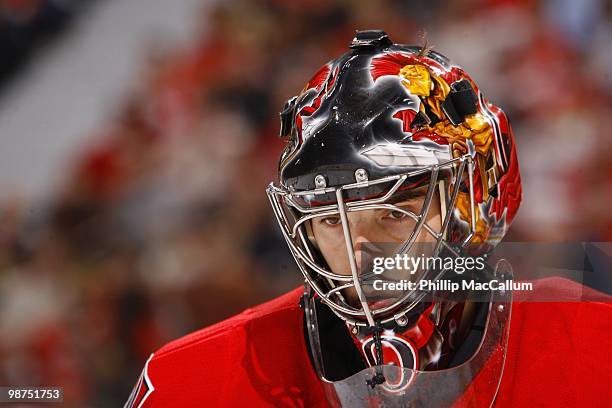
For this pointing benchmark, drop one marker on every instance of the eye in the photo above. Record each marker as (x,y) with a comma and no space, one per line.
(397,215)
(331,221)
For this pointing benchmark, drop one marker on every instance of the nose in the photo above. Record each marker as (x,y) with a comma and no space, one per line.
(360,246)
(364,232)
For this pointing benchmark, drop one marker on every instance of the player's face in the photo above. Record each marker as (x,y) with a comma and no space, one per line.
(371,227)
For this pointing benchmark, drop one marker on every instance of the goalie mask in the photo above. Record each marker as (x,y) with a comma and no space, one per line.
(371,128)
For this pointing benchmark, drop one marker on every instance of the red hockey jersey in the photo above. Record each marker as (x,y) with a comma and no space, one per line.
(559,355)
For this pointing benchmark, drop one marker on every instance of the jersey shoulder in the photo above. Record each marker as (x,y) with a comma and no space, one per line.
(554,355)
(561,290)
(256,351)
(285,304)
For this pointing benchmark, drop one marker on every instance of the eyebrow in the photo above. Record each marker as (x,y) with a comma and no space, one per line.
(409,194)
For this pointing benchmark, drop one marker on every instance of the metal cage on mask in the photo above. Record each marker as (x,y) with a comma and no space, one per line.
(295,209)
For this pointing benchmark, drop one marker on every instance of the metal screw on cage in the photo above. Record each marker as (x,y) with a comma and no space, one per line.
(401,320)
(361,175)
(320,181)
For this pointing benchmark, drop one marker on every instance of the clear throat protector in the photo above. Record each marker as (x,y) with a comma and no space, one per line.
(470,380)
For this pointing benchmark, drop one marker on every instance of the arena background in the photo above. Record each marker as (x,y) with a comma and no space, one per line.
(138,137)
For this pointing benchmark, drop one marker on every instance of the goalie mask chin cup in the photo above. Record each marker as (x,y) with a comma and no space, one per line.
(376,122)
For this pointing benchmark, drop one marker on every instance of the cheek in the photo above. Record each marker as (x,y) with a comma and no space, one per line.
(435,222)
(396,232)
(434,219)
(332,247)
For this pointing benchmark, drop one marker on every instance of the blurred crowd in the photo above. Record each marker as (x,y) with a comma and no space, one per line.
(163,226)
(28,25)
